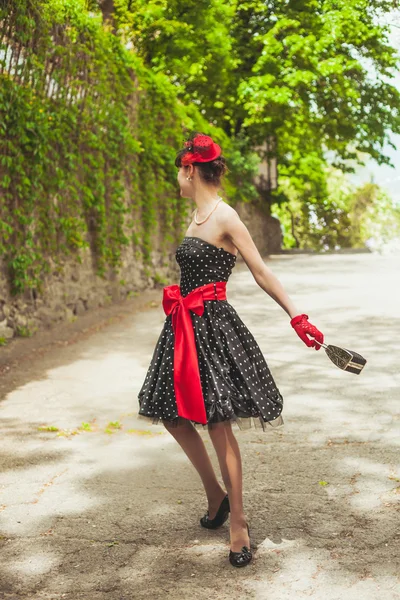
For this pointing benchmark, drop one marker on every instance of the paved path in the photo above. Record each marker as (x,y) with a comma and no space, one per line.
(107,507)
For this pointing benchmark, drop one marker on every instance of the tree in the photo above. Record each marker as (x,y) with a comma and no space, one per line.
(312,74)
(348,217)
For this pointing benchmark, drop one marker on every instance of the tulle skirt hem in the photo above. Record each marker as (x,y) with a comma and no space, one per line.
(243,423)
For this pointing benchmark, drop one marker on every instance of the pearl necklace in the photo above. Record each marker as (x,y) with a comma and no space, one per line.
(200,222)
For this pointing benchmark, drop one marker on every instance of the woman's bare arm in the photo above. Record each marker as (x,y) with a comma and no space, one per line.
(239,235)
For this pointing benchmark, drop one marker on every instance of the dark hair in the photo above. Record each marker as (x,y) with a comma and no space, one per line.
(210,172)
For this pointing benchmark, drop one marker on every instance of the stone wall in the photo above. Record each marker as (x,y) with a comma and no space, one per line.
(71,291)
(264,229)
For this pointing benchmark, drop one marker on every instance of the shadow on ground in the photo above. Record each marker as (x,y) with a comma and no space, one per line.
(95,515)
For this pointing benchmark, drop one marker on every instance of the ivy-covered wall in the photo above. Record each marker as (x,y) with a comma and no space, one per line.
(72,288)
(89,203)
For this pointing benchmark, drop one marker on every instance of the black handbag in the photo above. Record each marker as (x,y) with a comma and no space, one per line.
(347,360)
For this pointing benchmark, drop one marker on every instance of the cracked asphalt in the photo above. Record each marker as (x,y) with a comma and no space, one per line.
(98,504)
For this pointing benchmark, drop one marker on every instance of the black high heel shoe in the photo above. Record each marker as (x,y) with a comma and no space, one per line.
(220,517)
(241,559)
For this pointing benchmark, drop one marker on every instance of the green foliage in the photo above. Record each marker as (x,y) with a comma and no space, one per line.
(190,43)
(159,279)
(25,331)
(375,219)
(348,217)
(85,426)
(65,140)
(114,425)
(319,81)
(48,428)
(312,76)
(86,134)
(90,112)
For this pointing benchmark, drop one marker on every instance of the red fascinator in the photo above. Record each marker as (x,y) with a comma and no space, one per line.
(200,149)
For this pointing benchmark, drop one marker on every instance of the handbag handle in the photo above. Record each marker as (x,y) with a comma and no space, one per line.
(321,343)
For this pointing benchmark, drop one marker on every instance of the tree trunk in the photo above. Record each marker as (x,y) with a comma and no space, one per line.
(107,8)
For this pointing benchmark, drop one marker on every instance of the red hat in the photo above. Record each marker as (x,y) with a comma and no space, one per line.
(201,149)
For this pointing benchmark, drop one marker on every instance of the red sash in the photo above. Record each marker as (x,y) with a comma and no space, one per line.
(187,384)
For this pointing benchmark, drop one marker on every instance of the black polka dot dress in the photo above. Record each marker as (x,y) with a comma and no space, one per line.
(235,379)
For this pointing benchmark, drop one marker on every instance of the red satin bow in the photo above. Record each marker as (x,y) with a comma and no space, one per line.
(187,384)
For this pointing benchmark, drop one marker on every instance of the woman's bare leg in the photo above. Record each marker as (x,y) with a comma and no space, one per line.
(191,443)
(230,463)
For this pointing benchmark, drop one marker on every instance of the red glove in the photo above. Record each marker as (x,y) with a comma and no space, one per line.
(302,327)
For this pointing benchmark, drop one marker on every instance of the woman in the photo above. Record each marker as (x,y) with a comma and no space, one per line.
(207,368)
